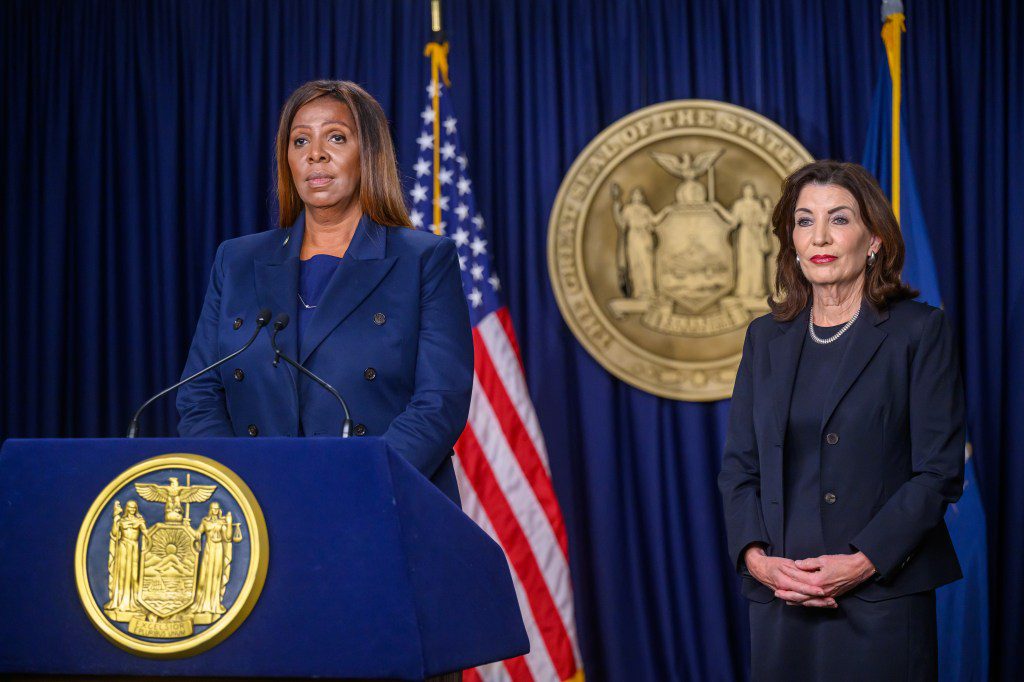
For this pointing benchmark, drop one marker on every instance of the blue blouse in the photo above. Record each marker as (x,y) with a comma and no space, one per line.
(314,274)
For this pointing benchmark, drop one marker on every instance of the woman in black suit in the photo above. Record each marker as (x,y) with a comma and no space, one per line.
(845,446)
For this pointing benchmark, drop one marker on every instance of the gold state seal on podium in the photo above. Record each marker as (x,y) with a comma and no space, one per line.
(171,556)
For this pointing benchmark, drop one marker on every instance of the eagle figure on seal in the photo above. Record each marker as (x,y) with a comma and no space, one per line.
(173,495)
(688,168)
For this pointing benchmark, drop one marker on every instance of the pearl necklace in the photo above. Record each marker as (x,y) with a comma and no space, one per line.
(842,330)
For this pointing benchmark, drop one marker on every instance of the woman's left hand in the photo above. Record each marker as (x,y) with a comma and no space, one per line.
(837,573)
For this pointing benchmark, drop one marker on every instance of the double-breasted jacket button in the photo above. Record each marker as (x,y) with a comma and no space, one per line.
(379,318)
(369,374)
(253,430)
(830,498)
(832,438)
(239,375)
(237,324)
(359,430)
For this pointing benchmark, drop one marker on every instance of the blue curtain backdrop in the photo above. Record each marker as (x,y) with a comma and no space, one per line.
(136,136)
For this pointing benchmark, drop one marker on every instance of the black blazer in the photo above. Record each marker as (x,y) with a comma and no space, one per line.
(892,447)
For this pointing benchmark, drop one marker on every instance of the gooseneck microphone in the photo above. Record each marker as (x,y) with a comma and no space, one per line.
(280,322)
(262,320)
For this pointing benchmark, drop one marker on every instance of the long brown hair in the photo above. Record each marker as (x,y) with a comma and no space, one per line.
(882,285)
(380,192)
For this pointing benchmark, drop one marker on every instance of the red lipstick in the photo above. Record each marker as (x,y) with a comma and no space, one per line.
(822,258)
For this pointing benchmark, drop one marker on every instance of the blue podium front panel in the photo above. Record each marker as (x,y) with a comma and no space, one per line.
(372,572)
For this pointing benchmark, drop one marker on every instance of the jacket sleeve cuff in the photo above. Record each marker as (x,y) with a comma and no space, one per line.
(886,560)
(753,534)
(741,565)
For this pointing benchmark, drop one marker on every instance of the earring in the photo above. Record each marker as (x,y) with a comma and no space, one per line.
(798,259)
(872,257)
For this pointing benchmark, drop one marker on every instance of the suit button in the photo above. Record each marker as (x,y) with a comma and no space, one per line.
(239,375)
(379,318)
(237,324)
(832,438)
(830,498)
(369,374)
(359,430)
(253,430)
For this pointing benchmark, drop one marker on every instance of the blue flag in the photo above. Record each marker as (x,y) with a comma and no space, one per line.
(962,606)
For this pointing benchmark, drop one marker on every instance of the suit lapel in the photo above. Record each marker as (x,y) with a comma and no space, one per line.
(865,338)
(277,285)
(784,353)
(358,274)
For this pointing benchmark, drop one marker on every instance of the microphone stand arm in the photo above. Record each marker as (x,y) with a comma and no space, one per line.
(346,426)
(133,426)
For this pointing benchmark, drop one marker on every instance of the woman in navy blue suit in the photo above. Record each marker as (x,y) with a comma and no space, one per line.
(845,446)
(377,308)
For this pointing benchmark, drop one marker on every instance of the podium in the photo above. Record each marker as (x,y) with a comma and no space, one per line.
(371,572)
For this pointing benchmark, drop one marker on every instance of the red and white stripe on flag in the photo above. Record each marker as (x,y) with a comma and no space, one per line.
(505,483)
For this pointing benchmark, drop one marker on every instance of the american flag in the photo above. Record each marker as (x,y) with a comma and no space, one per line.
(501,461)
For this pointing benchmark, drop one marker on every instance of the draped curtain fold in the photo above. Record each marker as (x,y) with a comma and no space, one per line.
(137,136)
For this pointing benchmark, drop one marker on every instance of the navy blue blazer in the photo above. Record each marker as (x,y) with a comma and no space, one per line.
(395,305)
(891,447)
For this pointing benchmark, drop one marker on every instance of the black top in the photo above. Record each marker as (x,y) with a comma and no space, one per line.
(801,458)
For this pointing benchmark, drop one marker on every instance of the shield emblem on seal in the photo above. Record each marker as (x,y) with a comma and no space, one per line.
(694,261)
(169,561)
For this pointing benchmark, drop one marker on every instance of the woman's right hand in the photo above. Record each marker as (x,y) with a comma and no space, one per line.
(785,579)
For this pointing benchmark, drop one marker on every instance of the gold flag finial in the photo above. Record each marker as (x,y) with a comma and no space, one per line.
(435,16)
(438,53)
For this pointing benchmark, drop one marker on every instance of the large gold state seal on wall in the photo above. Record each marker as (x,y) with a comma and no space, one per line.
(171,556)
(660,246)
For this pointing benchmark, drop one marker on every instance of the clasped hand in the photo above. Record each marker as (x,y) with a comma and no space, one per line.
(809,582)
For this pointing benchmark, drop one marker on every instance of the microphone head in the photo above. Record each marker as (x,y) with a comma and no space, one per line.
(263,317)
(281,321)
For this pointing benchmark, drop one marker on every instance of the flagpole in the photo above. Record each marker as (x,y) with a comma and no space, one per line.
(892,35)
(437,50)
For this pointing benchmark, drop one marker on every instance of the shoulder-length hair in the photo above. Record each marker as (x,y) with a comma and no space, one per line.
(380,192)
(882,285)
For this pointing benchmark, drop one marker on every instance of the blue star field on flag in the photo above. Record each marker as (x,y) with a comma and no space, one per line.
(460,220)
